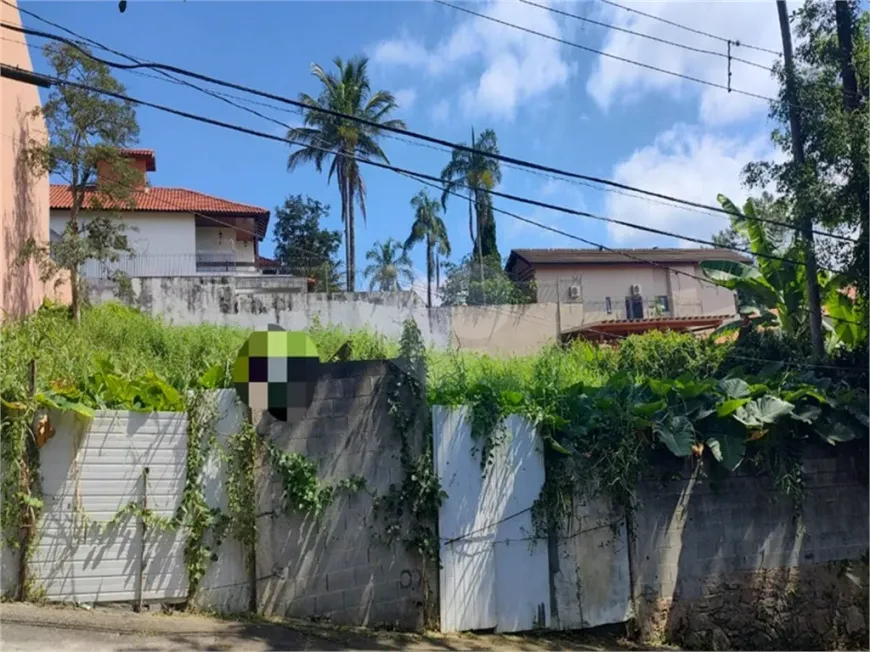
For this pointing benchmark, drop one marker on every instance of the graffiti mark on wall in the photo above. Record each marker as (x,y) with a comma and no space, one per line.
(410,579)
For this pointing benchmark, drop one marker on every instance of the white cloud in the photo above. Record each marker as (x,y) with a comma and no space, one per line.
(509,66)
(613,82)
(439,111)
(687,163)
(405,98)
(553,191)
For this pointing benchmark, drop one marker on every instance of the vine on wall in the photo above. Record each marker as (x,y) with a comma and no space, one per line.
(409,510)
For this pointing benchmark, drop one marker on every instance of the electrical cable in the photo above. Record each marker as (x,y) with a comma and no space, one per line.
(616,57)
(404,132)
(437,180)
(643,35)
(418,176)
(691,29)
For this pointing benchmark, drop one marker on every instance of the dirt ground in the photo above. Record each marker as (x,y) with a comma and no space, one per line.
(28,628)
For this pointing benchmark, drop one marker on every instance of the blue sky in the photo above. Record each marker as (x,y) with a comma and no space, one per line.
(451,72)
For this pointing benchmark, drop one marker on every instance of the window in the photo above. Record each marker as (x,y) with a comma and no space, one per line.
(634,307)
(663,304)
(608,306)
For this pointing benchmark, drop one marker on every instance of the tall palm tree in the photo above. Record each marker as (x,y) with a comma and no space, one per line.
(342,141)
(390,266)
(429,227)
(476,174)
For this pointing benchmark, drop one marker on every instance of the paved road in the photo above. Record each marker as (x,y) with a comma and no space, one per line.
(29,628)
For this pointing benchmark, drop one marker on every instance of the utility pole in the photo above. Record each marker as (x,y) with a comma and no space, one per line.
(804,215)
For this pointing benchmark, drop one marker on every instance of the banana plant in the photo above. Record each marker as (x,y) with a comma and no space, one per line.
(773,290)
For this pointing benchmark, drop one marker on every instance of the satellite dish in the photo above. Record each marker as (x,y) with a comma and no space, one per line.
(122,6)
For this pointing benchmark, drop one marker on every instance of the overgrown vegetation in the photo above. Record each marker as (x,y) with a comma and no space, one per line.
(601,411)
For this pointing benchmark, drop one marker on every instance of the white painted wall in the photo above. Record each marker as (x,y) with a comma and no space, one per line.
(90,469)
(221,241)
(225,587)
(165,244)
(492,574)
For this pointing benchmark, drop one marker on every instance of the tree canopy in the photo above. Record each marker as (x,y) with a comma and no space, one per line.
(302,246)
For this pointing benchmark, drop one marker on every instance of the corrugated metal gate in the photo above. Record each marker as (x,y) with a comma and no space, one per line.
(494,573)
(92,469)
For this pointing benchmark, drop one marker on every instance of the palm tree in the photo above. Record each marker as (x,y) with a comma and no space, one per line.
(476,174)
(390,266)
(326,137)
(428,226)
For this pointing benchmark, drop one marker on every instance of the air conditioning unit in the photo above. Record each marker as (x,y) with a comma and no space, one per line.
(636,290)
(574,291)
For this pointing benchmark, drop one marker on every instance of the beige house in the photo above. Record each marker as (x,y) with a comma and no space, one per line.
(23,196)
(617,292)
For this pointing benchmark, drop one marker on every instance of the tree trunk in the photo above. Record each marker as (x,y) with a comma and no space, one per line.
(429,271)
(342,190)
(805,216)
(75,303)
(351,239)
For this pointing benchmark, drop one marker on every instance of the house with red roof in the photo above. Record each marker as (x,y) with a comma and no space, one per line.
(175,231)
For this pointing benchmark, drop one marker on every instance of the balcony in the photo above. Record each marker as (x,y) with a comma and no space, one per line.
(202,263)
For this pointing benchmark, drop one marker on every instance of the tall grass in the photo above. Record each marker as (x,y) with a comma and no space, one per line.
(135,343)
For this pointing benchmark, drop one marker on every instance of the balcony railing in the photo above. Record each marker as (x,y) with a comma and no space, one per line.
(201,263)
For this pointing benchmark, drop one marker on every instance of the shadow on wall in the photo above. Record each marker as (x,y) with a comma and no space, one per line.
(723,562)
(20,285)
(25,218)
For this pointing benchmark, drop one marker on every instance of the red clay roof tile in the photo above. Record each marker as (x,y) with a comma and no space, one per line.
(174,200)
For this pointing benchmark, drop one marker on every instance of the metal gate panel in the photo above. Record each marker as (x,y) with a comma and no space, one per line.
(91,469)
(494,574)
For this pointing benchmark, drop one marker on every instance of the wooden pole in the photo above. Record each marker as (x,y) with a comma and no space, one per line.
(252,552)
(804,215)
(27,525)
(140,579)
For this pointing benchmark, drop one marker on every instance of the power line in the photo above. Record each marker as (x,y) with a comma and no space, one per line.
(718,213)
(418,176)
(602,53)
(646,36)
(691,29)
(417,135)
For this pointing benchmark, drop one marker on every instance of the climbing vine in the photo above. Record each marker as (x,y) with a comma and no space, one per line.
(409,510)
(302,490)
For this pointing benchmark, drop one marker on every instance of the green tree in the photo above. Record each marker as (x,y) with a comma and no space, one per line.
(85,128)
(342,141)
(767,207)
(389,268)
(302,246)
(463,285)
(833,183)
(773,292)
(476,174)
(428,227)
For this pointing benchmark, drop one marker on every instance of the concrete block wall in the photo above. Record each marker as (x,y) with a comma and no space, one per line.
(335,567)
(704,541)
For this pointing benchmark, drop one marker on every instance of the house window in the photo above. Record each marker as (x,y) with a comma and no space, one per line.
(634,307)
(663,304)
(608,306)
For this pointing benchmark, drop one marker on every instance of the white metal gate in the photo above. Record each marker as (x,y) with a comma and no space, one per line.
(90,469)
(494,573)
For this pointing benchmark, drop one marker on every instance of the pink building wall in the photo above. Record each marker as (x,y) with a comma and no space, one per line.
(23,195)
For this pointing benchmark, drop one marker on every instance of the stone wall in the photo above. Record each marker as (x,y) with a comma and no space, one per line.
(721,562)
(335,567)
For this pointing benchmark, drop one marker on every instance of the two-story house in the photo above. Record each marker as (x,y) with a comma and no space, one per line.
(175,231)
(626,291)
